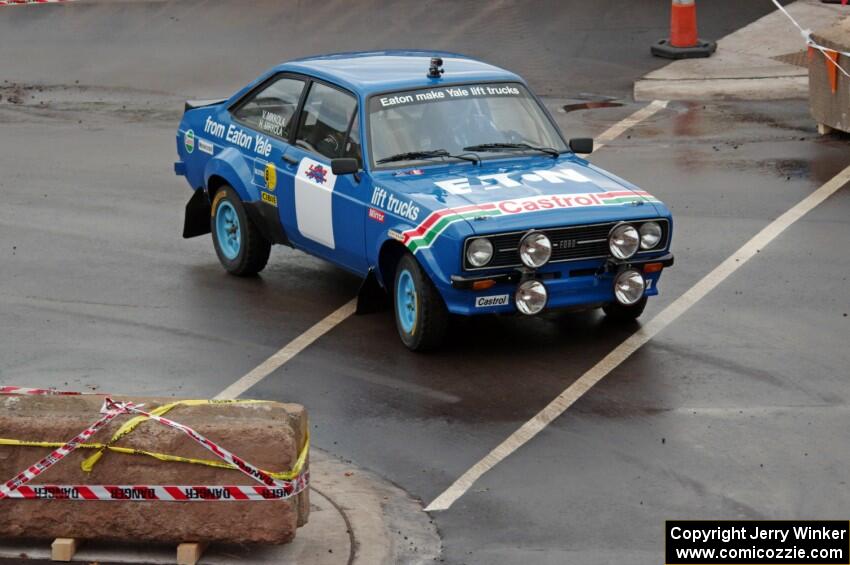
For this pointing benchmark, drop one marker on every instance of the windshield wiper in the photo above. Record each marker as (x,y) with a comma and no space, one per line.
(433,154)
(507,146)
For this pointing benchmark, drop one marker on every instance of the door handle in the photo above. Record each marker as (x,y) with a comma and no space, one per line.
(290,159)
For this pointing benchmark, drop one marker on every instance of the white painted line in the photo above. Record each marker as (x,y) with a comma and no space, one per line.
(304,340)
(289,351)
(617,129)
(611,361)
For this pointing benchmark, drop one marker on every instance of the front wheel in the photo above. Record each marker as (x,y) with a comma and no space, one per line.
(241,248)
(621,313)
(421,316)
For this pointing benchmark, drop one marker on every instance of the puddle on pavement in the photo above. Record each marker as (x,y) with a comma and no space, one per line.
(789,168)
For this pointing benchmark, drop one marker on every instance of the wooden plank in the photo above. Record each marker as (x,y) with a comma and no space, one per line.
(63,549)
(190,553)
(824,129)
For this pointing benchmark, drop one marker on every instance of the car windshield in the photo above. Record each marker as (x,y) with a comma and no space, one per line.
(411,126)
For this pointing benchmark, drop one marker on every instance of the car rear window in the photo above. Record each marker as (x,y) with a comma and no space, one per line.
(271,109)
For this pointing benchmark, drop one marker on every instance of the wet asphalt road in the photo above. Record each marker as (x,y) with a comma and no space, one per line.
(739,409)
(208,48)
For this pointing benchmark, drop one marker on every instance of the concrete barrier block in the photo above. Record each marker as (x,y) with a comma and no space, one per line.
(268,435)
(831,109)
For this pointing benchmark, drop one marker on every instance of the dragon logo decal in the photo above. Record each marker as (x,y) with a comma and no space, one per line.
(317,173)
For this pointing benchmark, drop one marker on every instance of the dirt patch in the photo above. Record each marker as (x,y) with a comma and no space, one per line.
(77,103)
(13,93)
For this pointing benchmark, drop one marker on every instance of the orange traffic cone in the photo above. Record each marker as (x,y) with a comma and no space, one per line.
(684,42)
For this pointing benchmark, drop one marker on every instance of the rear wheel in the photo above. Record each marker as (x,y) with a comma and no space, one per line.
(241,248)
(621,313)
(420,314)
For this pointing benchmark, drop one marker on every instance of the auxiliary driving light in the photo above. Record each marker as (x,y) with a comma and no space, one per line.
(628,287)
(531,297)
(623,241)
(535,249)
(650,235)
(479,252)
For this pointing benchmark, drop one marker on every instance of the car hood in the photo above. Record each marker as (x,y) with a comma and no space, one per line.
(518,194)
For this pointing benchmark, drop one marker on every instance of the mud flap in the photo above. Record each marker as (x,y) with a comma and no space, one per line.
(267,219)
(197,220)
(371,297)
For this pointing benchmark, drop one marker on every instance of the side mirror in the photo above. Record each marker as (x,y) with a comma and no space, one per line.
(344,166)
(582,145)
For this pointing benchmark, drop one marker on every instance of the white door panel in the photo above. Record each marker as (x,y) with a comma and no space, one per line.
(314,185)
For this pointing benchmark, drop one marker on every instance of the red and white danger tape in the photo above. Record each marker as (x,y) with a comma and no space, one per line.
(252,471)
(226,493)
(56,455)
(272,489)
(23,2)
(19,390)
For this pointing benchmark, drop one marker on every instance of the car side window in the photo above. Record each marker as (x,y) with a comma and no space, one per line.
(272,109)
(324,121)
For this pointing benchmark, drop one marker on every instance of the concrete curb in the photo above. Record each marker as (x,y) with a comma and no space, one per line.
(356,518)
(388,526)
(769,88)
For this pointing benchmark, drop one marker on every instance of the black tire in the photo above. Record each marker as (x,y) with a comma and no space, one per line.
(620,313)
(254,249)
(431,314)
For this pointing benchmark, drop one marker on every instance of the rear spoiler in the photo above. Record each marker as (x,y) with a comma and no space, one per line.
(192,104)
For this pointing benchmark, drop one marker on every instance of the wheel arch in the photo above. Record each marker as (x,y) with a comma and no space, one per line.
(389,255)
(214,184)
(229,167)
(391,251)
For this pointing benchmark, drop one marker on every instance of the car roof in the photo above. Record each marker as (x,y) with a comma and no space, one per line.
(381,71)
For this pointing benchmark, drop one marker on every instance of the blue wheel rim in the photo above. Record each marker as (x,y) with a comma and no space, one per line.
(227,230)
(405,301)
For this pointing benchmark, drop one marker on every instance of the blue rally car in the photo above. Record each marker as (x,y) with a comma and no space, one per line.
(438,178)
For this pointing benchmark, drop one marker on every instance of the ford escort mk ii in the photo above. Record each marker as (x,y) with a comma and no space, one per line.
(439,179)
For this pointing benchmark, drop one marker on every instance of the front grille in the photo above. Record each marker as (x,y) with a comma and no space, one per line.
(571,243)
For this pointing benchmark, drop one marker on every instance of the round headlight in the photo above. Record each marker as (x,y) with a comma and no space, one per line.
(535,249)
(650,235)
(479,252)
(628,287)
(623,241)
(530,297)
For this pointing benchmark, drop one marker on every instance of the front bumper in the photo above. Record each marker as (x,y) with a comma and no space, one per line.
(574,285)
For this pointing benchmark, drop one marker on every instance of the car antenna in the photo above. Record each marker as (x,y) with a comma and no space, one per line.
(436,69)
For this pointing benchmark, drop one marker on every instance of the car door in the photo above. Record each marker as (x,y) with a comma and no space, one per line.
(329,212)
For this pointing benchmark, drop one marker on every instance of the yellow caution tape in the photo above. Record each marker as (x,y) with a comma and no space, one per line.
(88,464)
(133,423)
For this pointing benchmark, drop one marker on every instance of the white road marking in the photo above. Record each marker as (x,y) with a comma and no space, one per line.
(289,351)
(611,361)
(617,129)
